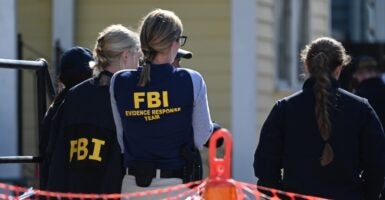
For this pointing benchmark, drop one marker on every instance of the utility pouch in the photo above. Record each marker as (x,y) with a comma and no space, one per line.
(144,172)
(192,171)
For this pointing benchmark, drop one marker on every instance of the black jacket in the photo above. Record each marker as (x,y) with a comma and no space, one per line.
(290,140)
(87,157)
(374,90)
(48,134)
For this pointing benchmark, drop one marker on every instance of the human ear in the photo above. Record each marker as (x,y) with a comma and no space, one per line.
(337,71)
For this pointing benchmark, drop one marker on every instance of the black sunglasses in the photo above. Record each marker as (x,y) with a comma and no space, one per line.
(182,40)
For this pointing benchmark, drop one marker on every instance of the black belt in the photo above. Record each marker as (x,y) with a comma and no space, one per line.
(163,173)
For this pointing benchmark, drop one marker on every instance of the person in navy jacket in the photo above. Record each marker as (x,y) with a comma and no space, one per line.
(159,110)
(322,140)
(88,158)
(74,69)
(371,85)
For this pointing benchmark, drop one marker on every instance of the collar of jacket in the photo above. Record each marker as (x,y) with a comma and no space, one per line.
(310,82)
(162,68)
(159,71)
(104,78)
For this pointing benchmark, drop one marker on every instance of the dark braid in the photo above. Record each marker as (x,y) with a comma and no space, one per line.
(111,43)
(321,58)
(322,95)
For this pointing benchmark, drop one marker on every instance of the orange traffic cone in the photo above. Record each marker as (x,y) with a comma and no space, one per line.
(219,184)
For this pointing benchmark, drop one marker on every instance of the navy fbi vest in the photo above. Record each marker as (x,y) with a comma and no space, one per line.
(156,119)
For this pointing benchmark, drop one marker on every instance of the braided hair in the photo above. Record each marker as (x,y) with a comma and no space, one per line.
(110,45)
(321,58)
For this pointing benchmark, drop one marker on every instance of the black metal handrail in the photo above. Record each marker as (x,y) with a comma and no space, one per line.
(20,159)
(23,64)
(41,68)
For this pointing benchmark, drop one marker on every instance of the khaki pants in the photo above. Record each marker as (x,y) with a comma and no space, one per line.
(129,186)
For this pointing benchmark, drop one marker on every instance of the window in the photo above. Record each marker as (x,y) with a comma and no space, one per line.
(292,35)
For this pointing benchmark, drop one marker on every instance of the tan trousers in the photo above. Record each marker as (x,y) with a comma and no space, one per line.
(129,186)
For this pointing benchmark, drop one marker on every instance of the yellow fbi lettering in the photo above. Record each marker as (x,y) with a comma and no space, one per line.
(79,147)
(152,99)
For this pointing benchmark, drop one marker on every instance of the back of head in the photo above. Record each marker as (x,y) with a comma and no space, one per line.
(322,57)
(158,30)
(367,63)
(110,45)
(366,67)
(346,79)
(74,66)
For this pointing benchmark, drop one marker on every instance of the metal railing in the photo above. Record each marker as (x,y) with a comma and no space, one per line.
(44,85)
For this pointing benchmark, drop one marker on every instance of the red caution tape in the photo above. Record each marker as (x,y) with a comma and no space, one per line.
(218,185)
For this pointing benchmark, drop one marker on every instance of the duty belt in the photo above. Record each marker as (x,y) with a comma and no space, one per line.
(161,173)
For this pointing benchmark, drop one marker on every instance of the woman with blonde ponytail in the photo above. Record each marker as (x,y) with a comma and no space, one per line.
(322,141)
(160,110)
(88,157)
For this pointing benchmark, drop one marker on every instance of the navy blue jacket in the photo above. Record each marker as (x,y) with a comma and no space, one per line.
(87,157)
(157,120)
(290,141)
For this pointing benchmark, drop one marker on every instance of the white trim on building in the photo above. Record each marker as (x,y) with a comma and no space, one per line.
(63,29)
(8,93)
(63,23)
(294,42)
(244,87)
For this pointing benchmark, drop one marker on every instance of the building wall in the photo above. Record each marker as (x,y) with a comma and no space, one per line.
(34,24)
(206,23)
(341,22)
(211,46)
(320,15)
(268,92)
(9,93)
(266,58)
